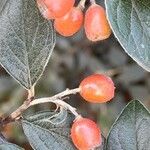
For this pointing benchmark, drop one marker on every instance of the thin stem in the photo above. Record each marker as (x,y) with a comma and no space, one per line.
(57,99)
(57,102)
(82,4)
(65,93)
(69,107)
(31,92)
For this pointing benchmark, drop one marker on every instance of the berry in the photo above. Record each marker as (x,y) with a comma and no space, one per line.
(85,134)
(96,24)
(70,23)
(44,10)
(97,88)
(55,9)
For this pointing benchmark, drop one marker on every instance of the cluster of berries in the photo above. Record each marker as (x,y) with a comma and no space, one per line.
(96,88)
(85,133)
(68,19)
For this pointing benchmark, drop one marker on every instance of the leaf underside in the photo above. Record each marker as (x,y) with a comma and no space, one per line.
(131,131)
(49,131)
(130,22)
(26,41)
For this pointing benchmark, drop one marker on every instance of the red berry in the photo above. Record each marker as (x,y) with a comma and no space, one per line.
(97,88)
(44,10)
(55,8)
(85,134)
(96,24)
(70,23)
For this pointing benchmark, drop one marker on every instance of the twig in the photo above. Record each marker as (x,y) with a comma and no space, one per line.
(31,92)
(17,113)
(93,1)
(57,102)
(82,4)
(65,93)
(57,99)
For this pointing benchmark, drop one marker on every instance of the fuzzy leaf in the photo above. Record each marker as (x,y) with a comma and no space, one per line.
(49,130)
(26,41)
(130,22)
(2,5)
(131,131)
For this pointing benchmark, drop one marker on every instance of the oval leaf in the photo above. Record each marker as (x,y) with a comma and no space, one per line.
(130,22)
(131,131)
(49,131)
(26,41)
(4,145)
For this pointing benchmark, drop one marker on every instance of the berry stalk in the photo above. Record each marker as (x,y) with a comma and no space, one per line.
(82,4)
(57,99)
(93,1)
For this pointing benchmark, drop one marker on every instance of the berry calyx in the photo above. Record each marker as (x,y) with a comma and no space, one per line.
(70,23)
(96,25)
(55,9)
(97,88)
(85,134)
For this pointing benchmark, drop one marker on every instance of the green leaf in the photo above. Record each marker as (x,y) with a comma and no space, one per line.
(4,145)
(131,131)
(130,22)
(49,130)
(2,5)
(26,41)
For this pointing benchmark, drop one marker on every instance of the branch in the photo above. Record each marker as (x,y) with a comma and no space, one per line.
(93,1)
(57,99)
(82,4)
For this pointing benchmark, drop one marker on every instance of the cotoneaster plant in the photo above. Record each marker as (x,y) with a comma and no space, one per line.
(27,40)
(85,134)
(95,22)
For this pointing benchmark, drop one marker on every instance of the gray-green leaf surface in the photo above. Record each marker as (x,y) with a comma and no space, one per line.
(131,131)
(2,5)
(49,131)
(4,145)
(130,22)
(26,41)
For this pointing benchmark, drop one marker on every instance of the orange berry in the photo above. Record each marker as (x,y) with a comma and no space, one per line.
(70,23)
(97,88)
(85,134)
(96,24)
(55,9)
(44,10)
